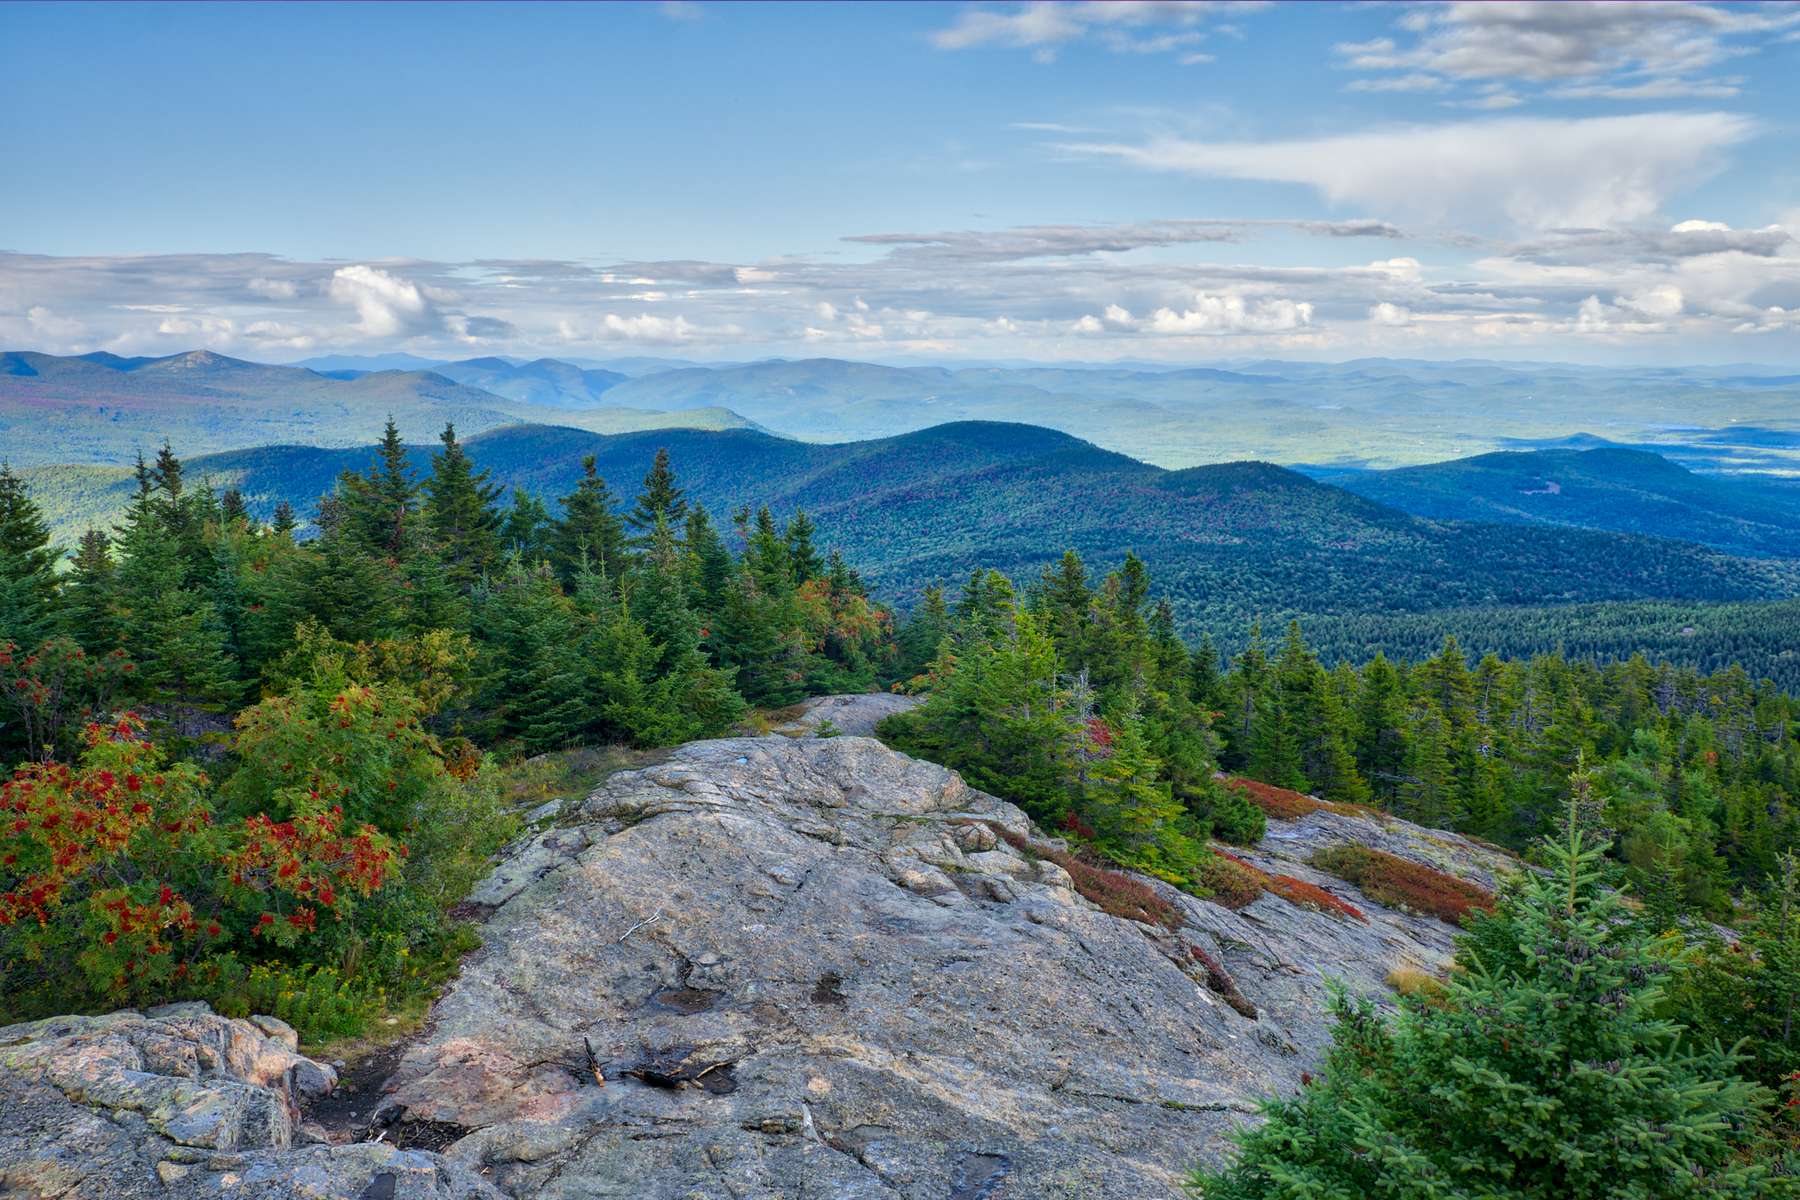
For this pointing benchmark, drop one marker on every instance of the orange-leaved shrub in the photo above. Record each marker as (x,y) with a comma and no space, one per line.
(1285,804)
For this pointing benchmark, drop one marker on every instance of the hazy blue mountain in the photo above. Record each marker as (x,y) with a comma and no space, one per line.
(327,364)
(1227,542)
(1368,412)
(1613,488)
(546,382)
(100,408)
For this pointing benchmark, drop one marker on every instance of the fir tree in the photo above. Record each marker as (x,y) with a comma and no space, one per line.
(526,531)
(381,505)
(90,599)
(232,509)
(709,562)
(459,507)
(660,499)
(589,532)
(803,558)
(27,566)
(283,522)
(1545,1072)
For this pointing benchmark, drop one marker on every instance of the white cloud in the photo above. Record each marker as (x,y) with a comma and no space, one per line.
(1389,314)
(1414,82)
(646,327)
(1576,48)
(1535,172)
(1121,26)
(1207,314)
(273,289)
(1658,303)
(386,305)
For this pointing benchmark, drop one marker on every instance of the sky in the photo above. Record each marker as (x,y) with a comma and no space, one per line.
(1179,182)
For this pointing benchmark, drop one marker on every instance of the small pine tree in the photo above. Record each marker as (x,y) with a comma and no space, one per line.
(27,566)
(660,499)
(589,532)
(1544,1072)
(460,509)
(90,599)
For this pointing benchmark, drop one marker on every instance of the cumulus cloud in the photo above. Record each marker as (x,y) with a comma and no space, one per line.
(1208,315)
(1576,49)
(1038,291)
(1121,26)
(1534,172)
(386,305)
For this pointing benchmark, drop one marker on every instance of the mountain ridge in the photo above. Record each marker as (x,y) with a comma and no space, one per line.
(1226,542)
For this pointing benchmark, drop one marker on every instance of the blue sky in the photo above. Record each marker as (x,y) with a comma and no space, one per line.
(1188,182)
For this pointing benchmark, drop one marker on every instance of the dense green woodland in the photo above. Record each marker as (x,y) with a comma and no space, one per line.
(263,771)
(1763,637)
(1230,542)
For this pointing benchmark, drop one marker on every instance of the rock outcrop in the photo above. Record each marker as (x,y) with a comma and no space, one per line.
(810,968)
(853,714)
(767,968)
(181,1102)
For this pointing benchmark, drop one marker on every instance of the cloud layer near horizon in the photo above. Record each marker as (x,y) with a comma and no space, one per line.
(1154,289)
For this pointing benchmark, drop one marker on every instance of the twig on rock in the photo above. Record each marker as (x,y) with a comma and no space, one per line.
(656,916)
(593,1063)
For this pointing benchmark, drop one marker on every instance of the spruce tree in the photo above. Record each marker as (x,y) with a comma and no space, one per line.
(459,507)
(709,564)
(27,566)
(1131,808)
(590,532)
(283,522)
(232,509)
(924,632)
(1544,1072)
(382,505)
(802,556)
(526,531)
(661,498)
(90,596)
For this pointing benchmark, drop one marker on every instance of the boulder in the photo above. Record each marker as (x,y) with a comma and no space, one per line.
(855,715)
(181,1102)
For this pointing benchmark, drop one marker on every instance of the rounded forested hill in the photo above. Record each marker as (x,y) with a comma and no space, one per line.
(1225,543)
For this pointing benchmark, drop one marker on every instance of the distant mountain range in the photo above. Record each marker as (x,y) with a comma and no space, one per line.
(101,408)
(1369,413)
(1608,487)
(1226,542)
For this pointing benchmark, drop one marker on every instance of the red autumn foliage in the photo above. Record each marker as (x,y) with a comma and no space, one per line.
(1231,881)
(1403,883)
(1116,894)
(1285,804)
(1297,892)
(1279,803)
(119,851)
